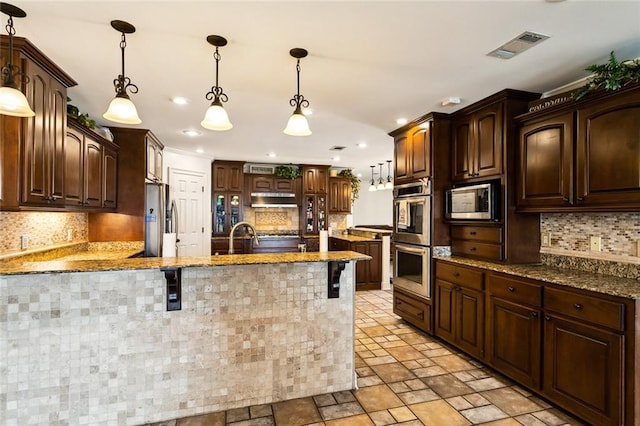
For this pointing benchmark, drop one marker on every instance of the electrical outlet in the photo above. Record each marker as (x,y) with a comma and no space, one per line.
(24,242)
(69,235)
(595,243)
(545,239)
(638,248)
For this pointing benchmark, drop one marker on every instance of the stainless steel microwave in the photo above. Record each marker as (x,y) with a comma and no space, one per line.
(475,202)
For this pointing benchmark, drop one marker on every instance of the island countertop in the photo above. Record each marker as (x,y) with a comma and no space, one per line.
(93,265)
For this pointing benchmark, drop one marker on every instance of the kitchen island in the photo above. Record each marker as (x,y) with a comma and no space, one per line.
(92,342)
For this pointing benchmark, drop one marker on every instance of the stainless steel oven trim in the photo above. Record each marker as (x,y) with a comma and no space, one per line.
(411,286)
(407,237)
(424,185)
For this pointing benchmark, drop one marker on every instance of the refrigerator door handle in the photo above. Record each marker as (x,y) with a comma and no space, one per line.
(174,219)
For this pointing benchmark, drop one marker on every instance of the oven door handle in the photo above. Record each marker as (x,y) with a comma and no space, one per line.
(409,249)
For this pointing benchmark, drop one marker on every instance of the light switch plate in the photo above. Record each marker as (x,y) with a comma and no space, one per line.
(638,248)
(545,239)
(595,243)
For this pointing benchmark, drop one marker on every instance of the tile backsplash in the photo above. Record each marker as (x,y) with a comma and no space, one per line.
(42,229)
(570,234)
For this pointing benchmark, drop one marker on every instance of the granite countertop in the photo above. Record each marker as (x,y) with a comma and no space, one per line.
(16,268)
(353,238)
(599,283)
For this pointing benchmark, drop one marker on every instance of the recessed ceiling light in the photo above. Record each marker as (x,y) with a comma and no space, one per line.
(179,100)
(361,145)
(336,158)
(271,155)
(401,121)
(200,151)
(191,132)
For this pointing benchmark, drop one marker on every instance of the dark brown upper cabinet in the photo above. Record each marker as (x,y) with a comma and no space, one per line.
(477,144)
(228,176)
(412,153)
(582,156)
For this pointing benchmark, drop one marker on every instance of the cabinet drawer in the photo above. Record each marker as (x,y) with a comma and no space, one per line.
(477,233)
(476,249)
(586,308)
(461,275)
(413,310)
(514,290)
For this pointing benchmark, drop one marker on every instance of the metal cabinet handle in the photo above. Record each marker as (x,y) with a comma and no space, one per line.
(547,318)
(577,306)
(472,249)
(457,288)
(580,198)
(421,314)
(456,274)
(511,289)
(565,199)
(472,232)
(534,314)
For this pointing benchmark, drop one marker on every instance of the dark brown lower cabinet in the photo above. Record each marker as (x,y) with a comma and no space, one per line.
(413,309)
(583,369)
(368,272)
(459,314)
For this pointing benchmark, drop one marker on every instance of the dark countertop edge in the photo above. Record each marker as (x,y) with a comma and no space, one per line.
(177,262)
(354,238)
(627,288)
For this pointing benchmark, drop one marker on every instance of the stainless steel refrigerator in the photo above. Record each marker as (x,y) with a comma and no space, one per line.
(160,218)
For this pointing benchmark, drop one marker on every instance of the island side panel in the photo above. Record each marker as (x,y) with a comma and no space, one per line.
(101,345)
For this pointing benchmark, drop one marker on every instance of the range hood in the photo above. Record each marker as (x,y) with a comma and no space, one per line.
(273,200)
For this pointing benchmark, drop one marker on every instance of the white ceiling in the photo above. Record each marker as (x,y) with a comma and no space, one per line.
(369,63)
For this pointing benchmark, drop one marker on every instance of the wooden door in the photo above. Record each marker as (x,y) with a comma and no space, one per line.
(186,189)
(546,163)
(608,149)
(93,180)
(487,141)
(470,321)
(57,118)
(110,178)
(445,311)
(420,156)
(514,336)
(309,180)
(401,159)
(73,170)
(37,151)
(461,149)
(375,264)
(583,369)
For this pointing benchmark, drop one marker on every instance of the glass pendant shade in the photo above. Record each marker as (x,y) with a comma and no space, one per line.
(389,184)
(14,103)
(372,184)
(297,125)
(122,110)
(372,187)
(216,118)
(380,186)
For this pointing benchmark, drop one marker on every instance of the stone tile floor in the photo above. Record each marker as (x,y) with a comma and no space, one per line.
(405,377)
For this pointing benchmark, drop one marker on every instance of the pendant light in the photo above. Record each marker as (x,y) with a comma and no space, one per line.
(372,184)
(216,118)
(389,184)
(121,109)
(298,124)
(380,186)
(12,101)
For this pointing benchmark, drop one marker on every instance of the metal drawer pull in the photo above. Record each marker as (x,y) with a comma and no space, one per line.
(534,314)
(472,232)
(547,318)
(565,199)
(472,249)
(577,306)
(511,289)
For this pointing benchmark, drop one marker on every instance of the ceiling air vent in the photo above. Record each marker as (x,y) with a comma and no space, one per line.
(517,45)
(337,148)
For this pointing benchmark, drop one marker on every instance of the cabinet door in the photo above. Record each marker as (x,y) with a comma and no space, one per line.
(334,195)
(546,163)
(110,178)
(608,149)
(583,369)
(487,141)
(400,158)
(322,181)
(284,185)
(445,310)
(93,180)
(262,184)
(73,170)
(57,117)
(154,159)
(514,337)
(362,268)
(420,157)
(461,149)
(37,151)
(470,321)
(345,196)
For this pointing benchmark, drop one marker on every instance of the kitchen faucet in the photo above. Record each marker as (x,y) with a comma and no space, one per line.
(252,232)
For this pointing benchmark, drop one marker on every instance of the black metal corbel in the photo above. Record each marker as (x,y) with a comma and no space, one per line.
(174,288)
(335,270)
